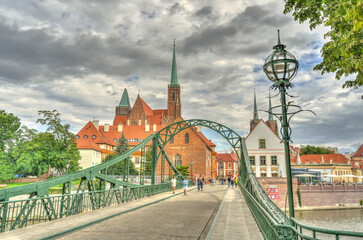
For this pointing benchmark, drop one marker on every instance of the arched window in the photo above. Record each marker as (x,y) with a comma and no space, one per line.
(186,138)
(77,136)
(172,140)
(94,136)
(177,160)
(85,136)
(173,96)
(115,140)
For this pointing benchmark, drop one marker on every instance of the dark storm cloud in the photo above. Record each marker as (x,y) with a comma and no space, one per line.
(203,12)
(34,54)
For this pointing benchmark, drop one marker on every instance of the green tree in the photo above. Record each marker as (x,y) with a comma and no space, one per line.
(64,149)
(7,169)
(9,130)
(314,150)
(118,168)
(183,170)
(343,51)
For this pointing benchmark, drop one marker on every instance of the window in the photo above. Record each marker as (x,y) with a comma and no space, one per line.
(274,175)
(186,138)
(263,175)
(252,160)
(177,160)
(262,160)
(85,136)
(172,140)
(261,143)
(229,165)
(94,136)
(273,160)
(77,136)
(137,160)
(114,140)
(173,96)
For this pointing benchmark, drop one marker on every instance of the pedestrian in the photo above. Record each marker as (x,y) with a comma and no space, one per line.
(229,181)
(173,184)
(222,182)
(232,181)
(214,181)
(185,185)
(236,180)
(198,182)
(202,184)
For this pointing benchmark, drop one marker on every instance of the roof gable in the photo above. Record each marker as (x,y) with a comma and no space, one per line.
(359,152)
(262,130)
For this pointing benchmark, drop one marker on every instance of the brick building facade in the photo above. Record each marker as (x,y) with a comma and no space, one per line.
(137,123)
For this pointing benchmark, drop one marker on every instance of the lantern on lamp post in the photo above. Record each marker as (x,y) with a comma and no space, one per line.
(281,67)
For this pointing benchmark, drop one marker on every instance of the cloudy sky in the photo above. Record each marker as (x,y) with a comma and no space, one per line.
(78,56)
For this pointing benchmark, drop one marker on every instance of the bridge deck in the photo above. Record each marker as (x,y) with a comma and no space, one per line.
(179,217)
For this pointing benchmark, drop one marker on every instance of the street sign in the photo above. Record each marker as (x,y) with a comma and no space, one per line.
(273,192)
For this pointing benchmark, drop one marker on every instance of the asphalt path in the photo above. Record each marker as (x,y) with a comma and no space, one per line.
(180,217)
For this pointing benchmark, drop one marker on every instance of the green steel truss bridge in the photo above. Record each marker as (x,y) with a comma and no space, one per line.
(96,189)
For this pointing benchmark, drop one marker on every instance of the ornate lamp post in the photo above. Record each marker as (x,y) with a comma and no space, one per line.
(281,67)
(191,170)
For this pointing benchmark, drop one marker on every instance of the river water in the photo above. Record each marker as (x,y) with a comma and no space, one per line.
(347,220)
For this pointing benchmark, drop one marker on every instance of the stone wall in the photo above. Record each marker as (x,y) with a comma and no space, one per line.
(280,183)
(315,196)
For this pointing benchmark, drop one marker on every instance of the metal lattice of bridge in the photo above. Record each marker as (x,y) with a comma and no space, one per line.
(97,190)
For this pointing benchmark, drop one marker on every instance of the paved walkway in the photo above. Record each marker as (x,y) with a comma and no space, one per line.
(179,217)
(235,220)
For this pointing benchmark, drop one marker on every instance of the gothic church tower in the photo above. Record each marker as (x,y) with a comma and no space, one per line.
(174,105)
(255,119)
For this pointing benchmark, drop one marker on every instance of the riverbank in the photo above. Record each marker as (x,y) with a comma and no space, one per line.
(301,209)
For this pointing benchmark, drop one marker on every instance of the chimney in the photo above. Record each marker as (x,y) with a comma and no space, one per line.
(96,123)
(298,158)
(154,127)
(107,127)
(199,128)
(128,122)
(120,127)
(147,128)
(139,123)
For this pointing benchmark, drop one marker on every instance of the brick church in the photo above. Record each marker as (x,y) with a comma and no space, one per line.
(138,122)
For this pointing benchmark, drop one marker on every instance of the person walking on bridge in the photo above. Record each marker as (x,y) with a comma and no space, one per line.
(173,184)
(185,185)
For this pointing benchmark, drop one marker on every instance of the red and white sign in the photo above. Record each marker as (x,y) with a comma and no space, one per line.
(273,192)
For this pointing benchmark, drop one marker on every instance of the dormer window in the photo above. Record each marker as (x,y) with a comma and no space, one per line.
(77,136)
(261,143)
(94,136)
(114,140)
(85,136)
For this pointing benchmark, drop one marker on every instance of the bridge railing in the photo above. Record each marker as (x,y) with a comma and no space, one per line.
(272,221)
(14,215)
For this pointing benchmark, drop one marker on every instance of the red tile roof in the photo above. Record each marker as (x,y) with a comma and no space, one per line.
(147,108)
(226,157)
(317,159)
(209,142)
(359,152)
(120,120)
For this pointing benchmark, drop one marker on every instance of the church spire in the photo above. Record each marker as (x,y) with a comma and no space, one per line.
(255,114)
(270,117)
(174,76)
(125,101)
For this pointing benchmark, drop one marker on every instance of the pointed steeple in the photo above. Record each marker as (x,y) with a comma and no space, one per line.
(125,101)
(174,75)
(255,114)
(270,117)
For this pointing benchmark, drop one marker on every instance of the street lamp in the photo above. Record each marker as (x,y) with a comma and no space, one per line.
(191,170)
(281,67)
(340,173)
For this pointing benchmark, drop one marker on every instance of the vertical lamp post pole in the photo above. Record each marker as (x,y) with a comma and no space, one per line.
(191,170)
(281,67)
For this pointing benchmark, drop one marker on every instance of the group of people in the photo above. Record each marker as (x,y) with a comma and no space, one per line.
(231,181)
(200,181)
